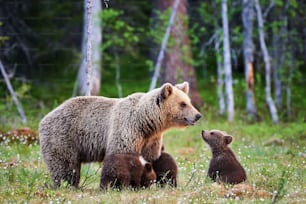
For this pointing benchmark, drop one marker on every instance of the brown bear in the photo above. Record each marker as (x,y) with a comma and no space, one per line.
(223,166)
(88,128)
(126,170)
(166,169)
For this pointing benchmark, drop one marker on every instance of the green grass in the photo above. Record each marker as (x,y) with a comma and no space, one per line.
(275,168)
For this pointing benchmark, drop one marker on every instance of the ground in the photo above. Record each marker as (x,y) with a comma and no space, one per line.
(275,169)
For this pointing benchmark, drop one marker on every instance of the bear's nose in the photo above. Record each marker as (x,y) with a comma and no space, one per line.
(198,116)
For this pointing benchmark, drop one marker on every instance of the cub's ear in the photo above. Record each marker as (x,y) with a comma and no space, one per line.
(166,90)
(228,139)
(183,86)
(148,167)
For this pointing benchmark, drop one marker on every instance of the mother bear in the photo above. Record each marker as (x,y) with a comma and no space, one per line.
(88,128)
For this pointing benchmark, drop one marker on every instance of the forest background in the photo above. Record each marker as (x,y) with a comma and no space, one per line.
(42,48)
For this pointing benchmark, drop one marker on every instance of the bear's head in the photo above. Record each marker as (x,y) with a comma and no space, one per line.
(148,176)
(216,139)
(176,105)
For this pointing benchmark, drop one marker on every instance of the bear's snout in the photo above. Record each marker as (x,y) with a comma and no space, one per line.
(203,136)
(198,116)
(191,121)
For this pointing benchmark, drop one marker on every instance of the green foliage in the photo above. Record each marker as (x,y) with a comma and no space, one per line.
(120,42)
(158,26)
(116,31)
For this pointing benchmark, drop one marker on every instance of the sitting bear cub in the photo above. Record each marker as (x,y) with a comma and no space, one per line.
(126,170)
(166,169)
(223,166)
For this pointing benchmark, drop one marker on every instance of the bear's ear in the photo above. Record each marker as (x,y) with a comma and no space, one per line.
(148,167)
(166,90)
(228,139)
(183,86)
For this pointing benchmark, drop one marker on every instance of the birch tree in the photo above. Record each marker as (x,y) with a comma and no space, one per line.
(220,75)
(279,51)
(163,47)
(177,62)
(267,61)
(248,54)
(12,92)
(227,64)
(89,75)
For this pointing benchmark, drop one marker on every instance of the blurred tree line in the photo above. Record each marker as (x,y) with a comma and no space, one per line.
(41,50)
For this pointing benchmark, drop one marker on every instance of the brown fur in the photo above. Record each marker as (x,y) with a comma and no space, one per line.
(223,166)
(126,170)
(88,128)
(166,170)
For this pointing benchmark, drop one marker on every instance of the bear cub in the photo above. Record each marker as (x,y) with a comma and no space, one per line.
(224,166)
(166,169)
(126,170)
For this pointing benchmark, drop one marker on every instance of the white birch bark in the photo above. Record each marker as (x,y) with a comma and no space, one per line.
(220,76)
(12,92)
(163,47)
(227,64)
(277,63)
(248,54)
(267,60)
(88,47)
(89,76)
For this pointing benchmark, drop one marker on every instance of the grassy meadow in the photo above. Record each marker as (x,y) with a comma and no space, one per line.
(273,156)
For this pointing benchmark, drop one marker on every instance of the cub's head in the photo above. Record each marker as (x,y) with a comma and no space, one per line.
(176,106)
(216,139)
(148,176)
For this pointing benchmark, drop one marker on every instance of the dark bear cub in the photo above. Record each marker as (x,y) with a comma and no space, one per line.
(223,166)
(126,170)
(166,170)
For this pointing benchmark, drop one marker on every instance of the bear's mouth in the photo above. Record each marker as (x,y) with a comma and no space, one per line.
(189,121)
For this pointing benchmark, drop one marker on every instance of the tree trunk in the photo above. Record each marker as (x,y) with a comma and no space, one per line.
(177,61)
(248,55)
(14,97)
(280,36)
(171,62)
(277,64)
(288,85)
(91,61)
(290,75)
(220,75)
(227,64)
(163,47)
(117,65)
(269,100)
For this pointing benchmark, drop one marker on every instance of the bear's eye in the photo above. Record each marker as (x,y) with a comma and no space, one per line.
(212,133)
(183,104)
